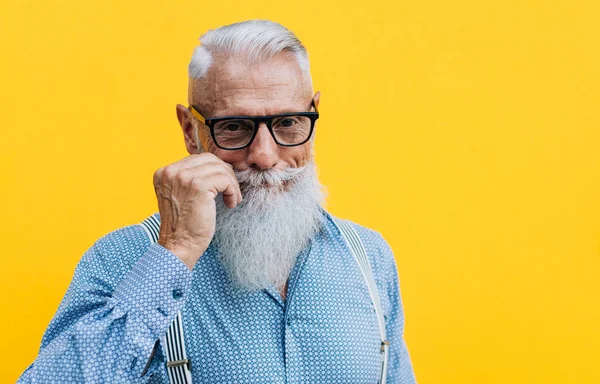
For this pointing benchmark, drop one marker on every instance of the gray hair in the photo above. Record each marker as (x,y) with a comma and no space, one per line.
(255,40)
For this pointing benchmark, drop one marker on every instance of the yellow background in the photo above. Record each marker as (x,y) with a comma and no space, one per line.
(466,132)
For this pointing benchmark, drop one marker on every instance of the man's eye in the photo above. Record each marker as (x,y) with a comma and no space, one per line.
(232,127)
(287,123)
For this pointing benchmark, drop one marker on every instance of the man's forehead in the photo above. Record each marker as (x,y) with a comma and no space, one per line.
(236,87)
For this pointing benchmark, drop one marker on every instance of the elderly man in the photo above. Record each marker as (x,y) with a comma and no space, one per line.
(242,276)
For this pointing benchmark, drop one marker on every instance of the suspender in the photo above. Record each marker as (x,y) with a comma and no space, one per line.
(357,249)
(178,365)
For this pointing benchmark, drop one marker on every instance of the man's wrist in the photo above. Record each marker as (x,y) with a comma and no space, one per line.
(188,254)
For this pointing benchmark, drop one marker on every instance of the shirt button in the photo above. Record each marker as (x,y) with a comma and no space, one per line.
(177,294)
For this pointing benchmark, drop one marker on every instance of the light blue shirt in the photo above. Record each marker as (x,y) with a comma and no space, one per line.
(126,291)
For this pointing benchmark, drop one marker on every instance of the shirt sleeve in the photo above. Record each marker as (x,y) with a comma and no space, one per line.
(109,324)
(400,368)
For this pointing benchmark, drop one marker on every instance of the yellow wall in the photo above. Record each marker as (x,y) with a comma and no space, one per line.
(467,132)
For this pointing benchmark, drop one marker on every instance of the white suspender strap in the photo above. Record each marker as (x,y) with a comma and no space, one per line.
(357,249)
(178,365)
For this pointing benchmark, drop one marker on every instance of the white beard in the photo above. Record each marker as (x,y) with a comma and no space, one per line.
(259,240)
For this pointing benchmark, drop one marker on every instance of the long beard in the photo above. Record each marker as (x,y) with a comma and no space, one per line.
(259,240)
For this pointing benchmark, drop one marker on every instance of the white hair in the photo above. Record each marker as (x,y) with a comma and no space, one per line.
(259,240)
(254,40)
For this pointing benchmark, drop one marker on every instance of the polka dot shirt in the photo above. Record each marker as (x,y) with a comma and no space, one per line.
(126,291)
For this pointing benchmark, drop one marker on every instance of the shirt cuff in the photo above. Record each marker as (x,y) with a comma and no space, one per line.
(155,288)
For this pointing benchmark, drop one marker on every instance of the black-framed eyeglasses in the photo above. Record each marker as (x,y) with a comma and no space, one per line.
(237,132)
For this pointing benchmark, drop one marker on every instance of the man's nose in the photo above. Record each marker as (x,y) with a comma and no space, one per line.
(264,151)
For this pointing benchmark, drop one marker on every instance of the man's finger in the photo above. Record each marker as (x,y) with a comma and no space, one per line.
(204,176)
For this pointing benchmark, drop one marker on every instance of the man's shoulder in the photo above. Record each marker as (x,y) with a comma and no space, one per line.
(127,239)
(377,248)
(118,250)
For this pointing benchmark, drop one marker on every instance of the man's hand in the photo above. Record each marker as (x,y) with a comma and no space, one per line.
(186,192)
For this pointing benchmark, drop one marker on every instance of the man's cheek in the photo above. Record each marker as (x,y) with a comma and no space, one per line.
(305,155)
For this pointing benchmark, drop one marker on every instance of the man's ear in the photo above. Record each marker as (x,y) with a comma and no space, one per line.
(185,120)
(316,98)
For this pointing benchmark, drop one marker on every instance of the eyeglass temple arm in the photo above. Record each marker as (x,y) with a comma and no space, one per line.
(197,114)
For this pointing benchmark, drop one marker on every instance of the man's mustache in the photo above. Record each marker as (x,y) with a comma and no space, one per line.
(252,177)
